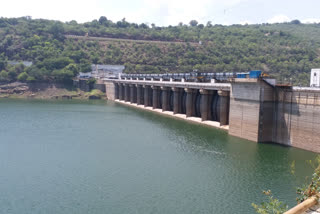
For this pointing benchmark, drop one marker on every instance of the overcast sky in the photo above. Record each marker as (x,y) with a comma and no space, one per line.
(167,12)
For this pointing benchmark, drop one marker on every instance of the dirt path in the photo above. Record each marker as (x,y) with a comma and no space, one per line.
(125,40)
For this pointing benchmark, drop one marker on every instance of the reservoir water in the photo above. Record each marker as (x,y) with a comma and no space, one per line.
(101,157)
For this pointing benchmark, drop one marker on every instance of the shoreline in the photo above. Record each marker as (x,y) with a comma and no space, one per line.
(46,91)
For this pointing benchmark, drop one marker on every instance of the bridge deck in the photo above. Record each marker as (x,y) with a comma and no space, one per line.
(194,85)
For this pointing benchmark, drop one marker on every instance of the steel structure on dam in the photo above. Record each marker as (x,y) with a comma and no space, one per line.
(249,108)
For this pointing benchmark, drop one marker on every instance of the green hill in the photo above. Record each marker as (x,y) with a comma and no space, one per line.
(287,51)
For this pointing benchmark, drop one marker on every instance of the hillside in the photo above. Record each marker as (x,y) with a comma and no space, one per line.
(286,50)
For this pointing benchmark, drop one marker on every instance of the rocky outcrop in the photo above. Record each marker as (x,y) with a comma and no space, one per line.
(41,90)
(14,88)
(94,97)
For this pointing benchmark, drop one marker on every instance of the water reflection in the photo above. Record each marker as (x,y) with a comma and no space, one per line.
(255,166)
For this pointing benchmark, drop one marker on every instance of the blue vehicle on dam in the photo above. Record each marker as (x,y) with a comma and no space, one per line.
(252,74)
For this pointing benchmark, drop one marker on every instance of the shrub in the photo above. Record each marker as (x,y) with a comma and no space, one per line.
(272,206)
(314,187)
(23,77)
(4,76)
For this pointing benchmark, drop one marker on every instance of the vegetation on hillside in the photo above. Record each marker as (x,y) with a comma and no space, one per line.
(288,51)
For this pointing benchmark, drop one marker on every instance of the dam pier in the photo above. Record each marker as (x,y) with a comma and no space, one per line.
(255,109)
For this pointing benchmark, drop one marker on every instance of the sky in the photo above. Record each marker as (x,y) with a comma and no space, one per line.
(167,12)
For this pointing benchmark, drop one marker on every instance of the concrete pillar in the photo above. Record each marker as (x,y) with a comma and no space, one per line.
(253,106)
(121,92)
(126,93)
(139,94)
(133,94)
(155,97)
(116,91)
(177,105)
(205,104)
(224,107)
(190,105)
(165,98)
(146,95)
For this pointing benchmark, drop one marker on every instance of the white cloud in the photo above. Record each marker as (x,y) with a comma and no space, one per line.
(279,19)
(171,12)
(58,10)
(160,12)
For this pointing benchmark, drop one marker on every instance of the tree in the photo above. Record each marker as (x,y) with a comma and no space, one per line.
(143,25)
(57,30)
(3,61)
(295,22)
(23,77)
(103,20)
(200,26)
(63,75)
(73,67)
(193,23)
(84,67)
(12,75)
(4,76)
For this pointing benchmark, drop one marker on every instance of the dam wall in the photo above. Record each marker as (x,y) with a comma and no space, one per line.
(297,118)
(285,115)
(251,109)
(110,90)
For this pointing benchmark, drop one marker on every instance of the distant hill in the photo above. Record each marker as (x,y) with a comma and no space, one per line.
(287,51)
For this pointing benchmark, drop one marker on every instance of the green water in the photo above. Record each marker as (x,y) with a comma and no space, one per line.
(98,157)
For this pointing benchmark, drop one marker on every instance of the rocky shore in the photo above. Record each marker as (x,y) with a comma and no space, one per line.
(46,91)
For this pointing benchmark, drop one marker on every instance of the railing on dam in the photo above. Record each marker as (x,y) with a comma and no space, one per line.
(195,85)
(192,76)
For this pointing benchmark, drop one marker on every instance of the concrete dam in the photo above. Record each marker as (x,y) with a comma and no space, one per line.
(249,108)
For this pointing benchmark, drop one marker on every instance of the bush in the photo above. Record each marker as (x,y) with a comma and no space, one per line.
(63,75)
(273,206)
(31,79)
(23,77)
(313,188)
(4,77)
(95,94)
